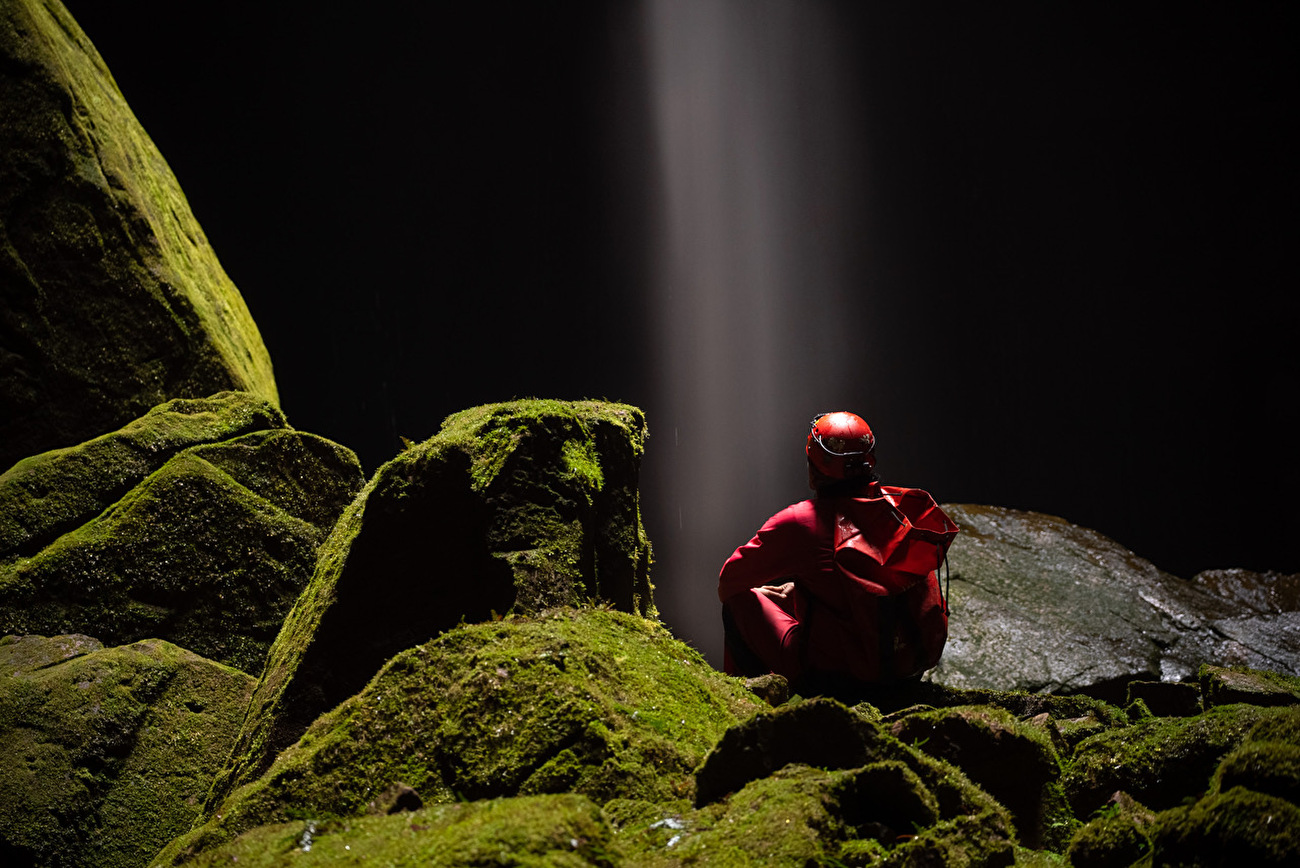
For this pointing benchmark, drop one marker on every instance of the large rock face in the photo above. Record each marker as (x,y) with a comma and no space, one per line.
(1040,604)
(105,753)
(209,550)
(111,299)
(511,507)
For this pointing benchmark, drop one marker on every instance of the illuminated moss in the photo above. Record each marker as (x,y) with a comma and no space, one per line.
(209,551)
(591,701)
(500,512)
(561,830)
(1159,761)
(105,753)
(46,495)
(114,299)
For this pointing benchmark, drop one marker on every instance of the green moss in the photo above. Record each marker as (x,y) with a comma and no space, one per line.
(205,553)
(1238,827)
(583,462)
(49,494)
(1268,767)
(1116,839)
(1015,762)
(560,830)
(1227,685)
(488,517)
(105,755)
(1160,760)
(591,701)
(117,300)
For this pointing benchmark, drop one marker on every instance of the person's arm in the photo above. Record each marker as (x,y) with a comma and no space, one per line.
(780,550)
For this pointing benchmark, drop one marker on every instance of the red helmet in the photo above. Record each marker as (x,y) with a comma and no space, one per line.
(841,445)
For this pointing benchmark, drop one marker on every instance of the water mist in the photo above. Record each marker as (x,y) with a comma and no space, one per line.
(755,254)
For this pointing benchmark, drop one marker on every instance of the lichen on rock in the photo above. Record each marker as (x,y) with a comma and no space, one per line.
(105,753)
(511,507)
(591,701)
(113,300)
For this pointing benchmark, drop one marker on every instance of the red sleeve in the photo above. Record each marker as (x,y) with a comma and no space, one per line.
(782,549)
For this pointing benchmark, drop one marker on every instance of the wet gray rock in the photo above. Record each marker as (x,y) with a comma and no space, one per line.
(1040,604)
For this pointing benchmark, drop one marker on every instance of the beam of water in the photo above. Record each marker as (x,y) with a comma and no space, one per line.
(757,244)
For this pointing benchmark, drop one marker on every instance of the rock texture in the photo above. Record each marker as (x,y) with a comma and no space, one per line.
(105,753)
(209,550)
(563,830)
(511,507)
(111,299)
(47,495)
(593,702)
(1039,604)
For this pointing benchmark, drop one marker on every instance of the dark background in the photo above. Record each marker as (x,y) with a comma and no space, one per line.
(1083,229)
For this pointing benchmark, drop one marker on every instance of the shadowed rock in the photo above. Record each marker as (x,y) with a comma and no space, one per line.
(111,299)
(105,753)
(511,507)
(1039,604)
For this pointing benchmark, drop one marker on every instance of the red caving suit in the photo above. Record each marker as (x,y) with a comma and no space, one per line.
(867,603)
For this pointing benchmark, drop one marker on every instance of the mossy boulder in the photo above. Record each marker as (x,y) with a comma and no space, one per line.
(1222,685)
(590,701)
(1238,827)
(1159,761)
(815,783)
(209,551)
(45,496)
(111,299)
(510,508)
(558,830)
(1013,761)
(1117,836)
(1043,605)
(105,753)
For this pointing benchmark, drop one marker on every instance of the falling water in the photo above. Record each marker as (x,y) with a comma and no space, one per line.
(757,244)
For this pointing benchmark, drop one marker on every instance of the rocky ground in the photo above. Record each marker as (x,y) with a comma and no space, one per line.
(222,644)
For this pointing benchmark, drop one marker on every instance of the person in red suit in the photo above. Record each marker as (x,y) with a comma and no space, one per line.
(840,593)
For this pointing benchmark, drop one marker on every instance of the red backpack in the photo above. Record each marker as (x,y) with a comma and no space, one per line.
(892,622)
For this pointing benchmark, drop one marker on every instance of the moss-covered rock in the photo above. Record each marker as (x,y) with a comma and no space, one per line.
(562,830)
(1117,837)
(1268,761)
(1015,762)
(111,299)
(1159,761)
(1227,685)
(765,796)
(105,753)
(510,507)
(552,830)
(1238,827)
(47,495)
(209,551)
(588,701)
